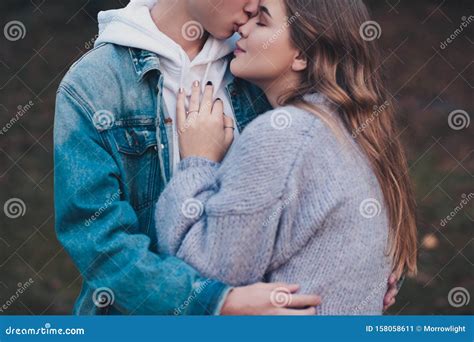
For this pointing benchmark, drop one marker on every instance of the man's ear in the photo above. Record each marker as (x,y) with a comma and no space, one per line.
(300,62)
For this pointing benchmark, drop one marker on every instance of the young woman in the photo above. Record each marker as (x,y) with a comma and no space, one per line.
(314,192)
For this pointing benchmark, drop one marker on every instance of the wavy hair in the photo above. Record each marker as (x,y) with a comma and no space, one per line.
(336,38)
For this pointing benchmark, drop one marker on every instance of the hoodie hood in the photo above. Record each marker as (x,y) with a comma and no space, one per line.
(133,26)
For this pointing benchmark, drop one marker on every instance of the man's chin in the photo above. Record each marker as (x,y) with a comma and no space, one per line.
(224,34)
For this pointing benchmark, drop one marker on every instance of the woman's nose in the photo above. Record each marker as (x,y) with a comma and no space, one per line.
(245,29)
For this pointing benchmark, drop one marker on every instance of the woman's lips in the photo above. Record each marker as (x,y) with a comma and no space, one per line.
(238,51)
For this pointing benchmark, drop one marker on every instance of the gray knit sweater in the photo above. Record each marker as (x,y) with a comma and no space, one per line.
(290,202)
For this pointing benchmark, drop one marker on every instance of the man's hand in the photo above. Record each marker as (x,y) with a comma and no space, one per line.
(394,284)
(269,299)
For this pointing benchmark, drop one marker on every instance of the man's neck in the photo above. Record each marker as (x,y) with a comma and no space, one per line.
(170,17)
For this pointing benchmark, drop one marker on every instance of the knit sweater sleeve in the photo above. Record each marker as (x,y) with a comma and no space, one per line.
(224,219)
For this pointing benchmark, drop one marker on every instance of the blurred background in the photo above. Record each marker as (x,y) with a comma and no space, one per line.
(428,58)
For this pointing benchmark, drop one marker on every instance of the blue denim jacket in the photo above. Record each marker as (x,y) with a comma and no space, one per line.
(112,141)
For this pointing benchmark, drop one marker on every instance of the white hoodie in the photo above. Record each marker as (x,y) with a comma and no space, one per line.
(133,26)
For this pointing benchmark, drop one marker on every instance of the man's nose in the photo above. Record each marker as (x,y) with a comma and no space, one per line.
(251,9)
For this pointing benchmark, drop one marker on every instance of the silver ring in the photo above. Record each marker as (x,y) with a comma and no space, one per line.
(229,127)
(192,111)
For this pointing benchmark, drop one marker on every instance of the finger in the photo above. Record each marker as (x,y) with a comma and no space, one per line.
(217,108)
(389,297)
(292,288)
(207,103)
(180,109)
(303,301)
(228,132)
(292,312)
(195,97)
(392,279)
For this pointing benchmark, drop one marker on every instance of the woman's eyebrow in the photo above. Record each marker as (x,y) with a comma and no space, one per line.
(265,10)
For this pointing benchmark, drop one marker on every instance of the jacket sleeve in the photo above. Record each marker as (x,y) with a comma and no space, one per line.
(105,253)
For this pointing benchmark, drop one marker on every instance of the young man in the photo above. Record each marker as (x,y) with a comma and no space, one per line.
(116,147)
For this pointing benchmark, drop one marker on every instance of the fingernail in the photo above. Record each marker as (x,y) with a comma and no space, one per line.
(218,99)
(209,83)
(181,90)
(196,83)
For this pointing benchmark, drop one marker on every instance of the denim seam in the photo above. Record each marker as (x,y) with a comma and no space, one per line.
(74,96)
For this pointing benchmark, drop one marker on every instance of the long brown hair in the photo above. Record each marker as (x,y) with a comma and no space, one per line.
(337,39)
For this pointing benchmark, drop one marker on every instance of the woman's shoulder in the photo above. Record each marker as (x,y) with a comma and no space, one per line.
(282,124)
(316,134)
(293,125)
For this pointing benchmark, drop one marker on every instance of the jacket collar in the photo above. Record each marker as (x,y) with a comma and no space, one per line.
(144,61)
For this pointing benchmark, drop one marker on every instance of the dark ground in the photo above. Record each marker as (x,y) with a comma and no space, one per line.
(427,81)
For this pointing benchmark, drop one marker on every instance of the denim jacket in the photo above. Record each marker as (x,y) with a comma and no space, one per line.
(112,143)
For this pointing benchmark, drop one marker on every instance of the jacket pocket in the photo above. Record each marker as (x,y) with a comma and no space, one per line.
(138,154)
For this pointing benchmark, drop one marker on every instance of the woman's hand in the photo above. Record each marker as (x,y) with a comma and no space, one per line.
(204,130)
(394,283)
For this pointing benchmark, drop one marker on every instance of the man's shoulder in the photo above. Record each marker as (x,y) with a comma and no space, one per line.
(98,65)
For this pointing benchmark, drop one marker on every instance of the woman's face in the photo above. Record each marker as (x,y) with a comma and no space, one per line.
(265,53)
